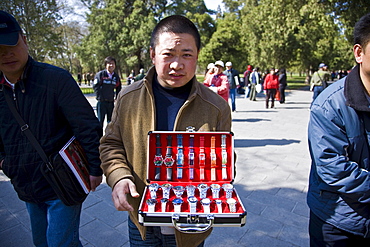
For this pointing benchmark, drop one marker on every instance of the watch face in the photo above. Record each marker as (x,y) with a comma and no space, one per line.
(166,186)
(177,201)
(164,200)
(202,187)
(205,201)
(168,161)
(227,186)
(218,201)
(151,202)
(153,187)
(231,201)
(215,186)
(158,160)
(192,199)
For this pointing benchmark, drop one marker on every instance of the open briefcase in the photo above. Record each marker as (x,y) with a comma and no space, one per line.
(191,175)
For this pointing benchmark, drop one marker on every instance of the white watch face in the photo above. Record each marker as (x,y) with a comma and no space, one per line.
(192,199)
(231,201)
(215,186)
(206,201)
(202,187)
(227,186)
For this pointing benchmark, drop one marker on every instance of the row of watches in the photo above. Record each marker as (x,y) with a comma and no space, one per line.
(192,200)
(190,190)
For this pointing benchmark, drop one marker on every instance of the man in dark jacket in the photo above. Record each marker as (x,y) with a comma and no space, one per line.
(338,135)
(54,108)
(233,78)
(105,83)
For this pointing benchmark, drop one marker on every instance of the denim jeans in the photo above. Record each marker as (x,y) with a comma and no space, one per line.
(54,224)
(316,91)
(154,237)
(232,97)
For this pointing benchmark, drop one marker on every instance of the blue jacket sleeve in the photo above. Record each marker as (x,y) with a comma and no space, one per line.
(333,152)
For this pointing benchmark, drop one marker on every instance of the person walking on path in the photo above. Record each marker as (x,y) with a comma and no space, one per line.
(338,136)
(218,82)
(282,85)
(271,85)
(254,80)
(233,78)
(51,103)
(246,75)
(169,98)
(319,80)
(106,82)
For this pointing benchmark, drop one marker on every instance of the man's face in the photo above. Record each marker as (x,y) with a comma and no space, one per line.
(219,69)
(110,66)
(13,59)
(175,59)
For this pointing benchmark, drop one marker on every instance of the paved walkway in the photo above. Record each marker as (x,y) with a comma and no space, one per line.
(272,174)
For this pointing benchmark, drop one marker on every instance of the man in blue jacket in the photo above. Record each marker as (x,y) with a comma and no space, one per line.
(338,135)
(54,108)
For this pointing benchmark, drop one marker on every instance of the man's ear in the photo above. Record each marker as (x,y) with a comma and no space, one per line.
(152,54)
(358,51)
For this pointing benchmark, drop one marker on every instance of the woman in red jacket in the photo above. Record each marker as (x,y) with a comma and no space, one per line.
(271,85)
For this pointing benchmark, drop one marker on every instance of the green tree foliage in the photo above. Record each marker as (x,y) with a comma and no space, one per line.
(39,19)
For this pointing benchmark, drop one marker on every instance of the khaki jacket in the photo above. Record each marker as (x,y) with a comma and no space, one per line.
(123,148)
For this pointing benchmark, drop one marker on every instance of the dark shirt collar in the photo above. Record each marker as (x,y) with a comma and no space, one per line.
(355,92)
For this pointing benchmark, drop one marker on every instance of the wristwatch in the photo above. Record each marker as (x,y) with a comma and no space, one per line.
(202,157)
(224,157)
(206,202)
(168,160)
(178,190)
(193,204)
(151,205)
(191,157)
(166,189)
(203,188)
(177,204)
(219,205)
(215,188)
(180,156)
(232,205)
(158,159)
(190,190)
(164,204)
(153,190)
(228,188)
(213,158)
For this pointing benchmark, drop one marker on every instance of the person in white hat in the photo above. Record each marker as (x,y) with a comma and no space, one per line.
(218,82)
(233,78)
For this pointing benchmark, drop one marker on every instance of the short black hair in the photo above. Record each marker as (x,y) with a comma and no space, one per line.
(361,33)
(175,24)
(109,59)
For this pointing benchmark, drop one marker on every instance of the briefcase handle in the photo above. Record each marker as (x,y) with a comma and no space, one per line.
(192,226)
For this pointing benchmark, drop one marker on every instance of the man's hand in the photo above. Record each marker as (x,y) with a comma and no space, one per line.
(119,194)
(95,182)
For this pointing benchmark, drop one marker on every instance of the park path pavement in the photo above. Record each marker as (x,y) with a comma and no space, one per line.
(272,172)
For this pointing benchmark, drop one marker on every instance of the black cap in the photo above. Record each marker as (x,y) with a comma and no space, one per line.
(9,29)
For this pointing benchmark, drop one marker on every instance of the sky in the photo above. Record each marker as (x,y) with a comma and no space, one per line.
(213,4)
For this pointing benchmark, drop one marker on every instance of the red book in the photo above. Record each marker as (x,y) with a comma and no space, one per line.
(74,155)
